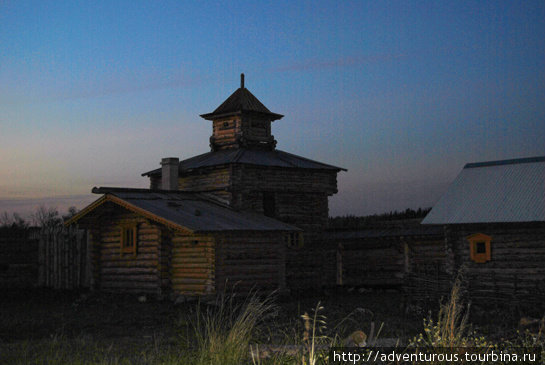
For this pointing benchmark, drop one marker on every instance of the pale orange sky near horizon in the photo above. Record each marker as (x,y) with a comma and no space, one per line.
(402,94)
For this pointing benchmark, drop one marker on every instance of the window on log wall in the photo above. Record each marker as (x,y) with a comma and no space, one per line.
(129,241)
(269,204)
(479,247)
(294,240)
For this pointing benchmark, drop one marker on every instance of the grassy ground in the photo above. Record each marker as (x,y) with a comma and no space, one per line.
(34,315)
(47,327)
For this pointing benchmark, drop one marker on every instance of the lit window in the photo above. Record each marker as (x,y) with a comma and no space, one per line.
(129,239)
(479,247)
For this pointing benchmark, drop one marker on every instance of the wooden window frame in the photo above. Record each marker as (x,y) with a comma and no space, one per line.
(124,247)
(474,241)
(269,204)
(294,240)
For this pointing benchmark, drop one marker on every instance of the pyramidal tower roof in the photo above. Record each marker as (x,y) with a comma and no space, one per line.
(241,101)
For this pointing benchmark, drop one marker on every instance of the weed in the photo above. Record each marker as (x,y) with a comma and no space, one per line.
(223,332)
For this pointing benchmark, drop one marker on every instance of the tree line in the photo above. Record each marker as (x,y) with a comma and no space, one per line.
(355,222)
(44,217)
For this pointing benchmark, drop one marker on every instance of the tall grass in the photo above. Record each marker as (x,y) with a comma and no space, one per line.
(223,332)
(226,332)
(313,336)
(451,328)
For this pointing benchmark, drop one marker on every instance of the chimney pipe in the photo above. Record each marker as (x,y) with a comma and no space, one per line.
(242,81)
(169,173)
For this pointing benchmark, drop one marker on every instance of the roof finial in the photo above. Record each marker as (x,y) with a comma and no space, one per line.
(242,81)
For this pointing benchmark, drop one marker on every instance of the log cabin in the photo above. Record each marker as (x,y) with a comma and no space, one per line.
(172,242)
(223,218)
(493,215)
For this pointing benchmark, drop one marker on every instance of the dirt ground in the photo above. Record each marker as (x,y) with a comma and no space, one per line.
(42,314)
(34,315)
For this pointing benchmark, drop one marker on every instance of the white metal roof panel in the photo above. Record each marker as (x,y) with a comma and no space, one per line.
(494,192)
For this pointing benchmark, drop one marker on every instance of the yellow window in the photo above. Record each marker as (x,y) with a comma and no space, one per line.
(479,247)
(129,239)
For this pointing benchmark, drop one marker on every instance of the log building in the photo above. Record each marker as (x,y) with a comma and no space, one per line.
(226,217)
(161,241)
(246,171)
(494,220)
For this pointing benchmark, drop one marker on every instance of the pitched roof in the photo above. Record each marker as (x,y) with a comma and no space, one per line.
(493,192)
(242,100)
(274,158)
(184,211)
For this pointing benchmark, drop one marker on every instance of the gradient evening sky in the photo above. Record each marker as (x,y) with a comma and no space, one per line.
(400,93)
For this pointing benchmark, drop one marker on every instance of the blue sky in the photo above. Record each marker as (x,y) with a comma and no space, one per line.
(402,94)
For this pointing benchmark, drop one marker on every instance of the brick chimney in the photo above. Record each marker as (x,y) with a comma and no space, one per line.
(169,173)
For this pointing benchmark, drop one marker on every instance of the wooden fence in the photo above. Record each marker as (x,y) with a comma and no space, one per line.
(62,258)
(54,257)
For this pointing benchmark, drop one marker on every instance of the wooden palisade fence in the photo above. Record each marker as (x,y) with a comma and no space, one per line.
(62,258)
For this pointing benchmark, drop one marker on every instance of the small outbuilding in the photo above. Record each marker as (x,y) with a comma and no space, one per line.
(494,219)
(160,242)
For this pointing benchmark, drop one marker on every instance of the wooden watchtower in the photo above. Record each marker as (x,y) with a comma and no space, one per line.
(245,170)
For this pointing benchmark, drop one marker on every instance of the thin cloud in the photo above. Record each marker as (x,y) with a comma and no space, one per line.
(350,61)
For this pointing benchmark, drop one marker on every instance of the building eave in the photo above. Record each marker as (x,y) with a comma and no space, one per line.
(120,202)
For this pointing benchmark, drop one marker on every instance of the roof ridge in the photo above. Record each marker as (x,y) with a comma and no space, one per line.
(306,159)
(505,162)
(157,170)
(239,154)
(249,156)
(241,100)
(113,190)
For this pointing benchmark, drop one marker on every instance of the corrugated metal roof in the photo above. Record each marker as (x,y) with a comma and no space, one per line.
(242,100)
(275,158)
(194,212)
(495,191)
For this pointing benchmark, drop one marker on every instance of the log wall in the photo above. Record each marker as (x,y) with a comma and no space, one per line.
(125,272)
(301,196)
(193,264)
(428,278)
(256,129)
(237,132)
(165,260)
(154,182)
(250,260)
(213,180)
(225,132)
(373,262)
(515,275)
(390,257)
(311,267)
(259,178)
